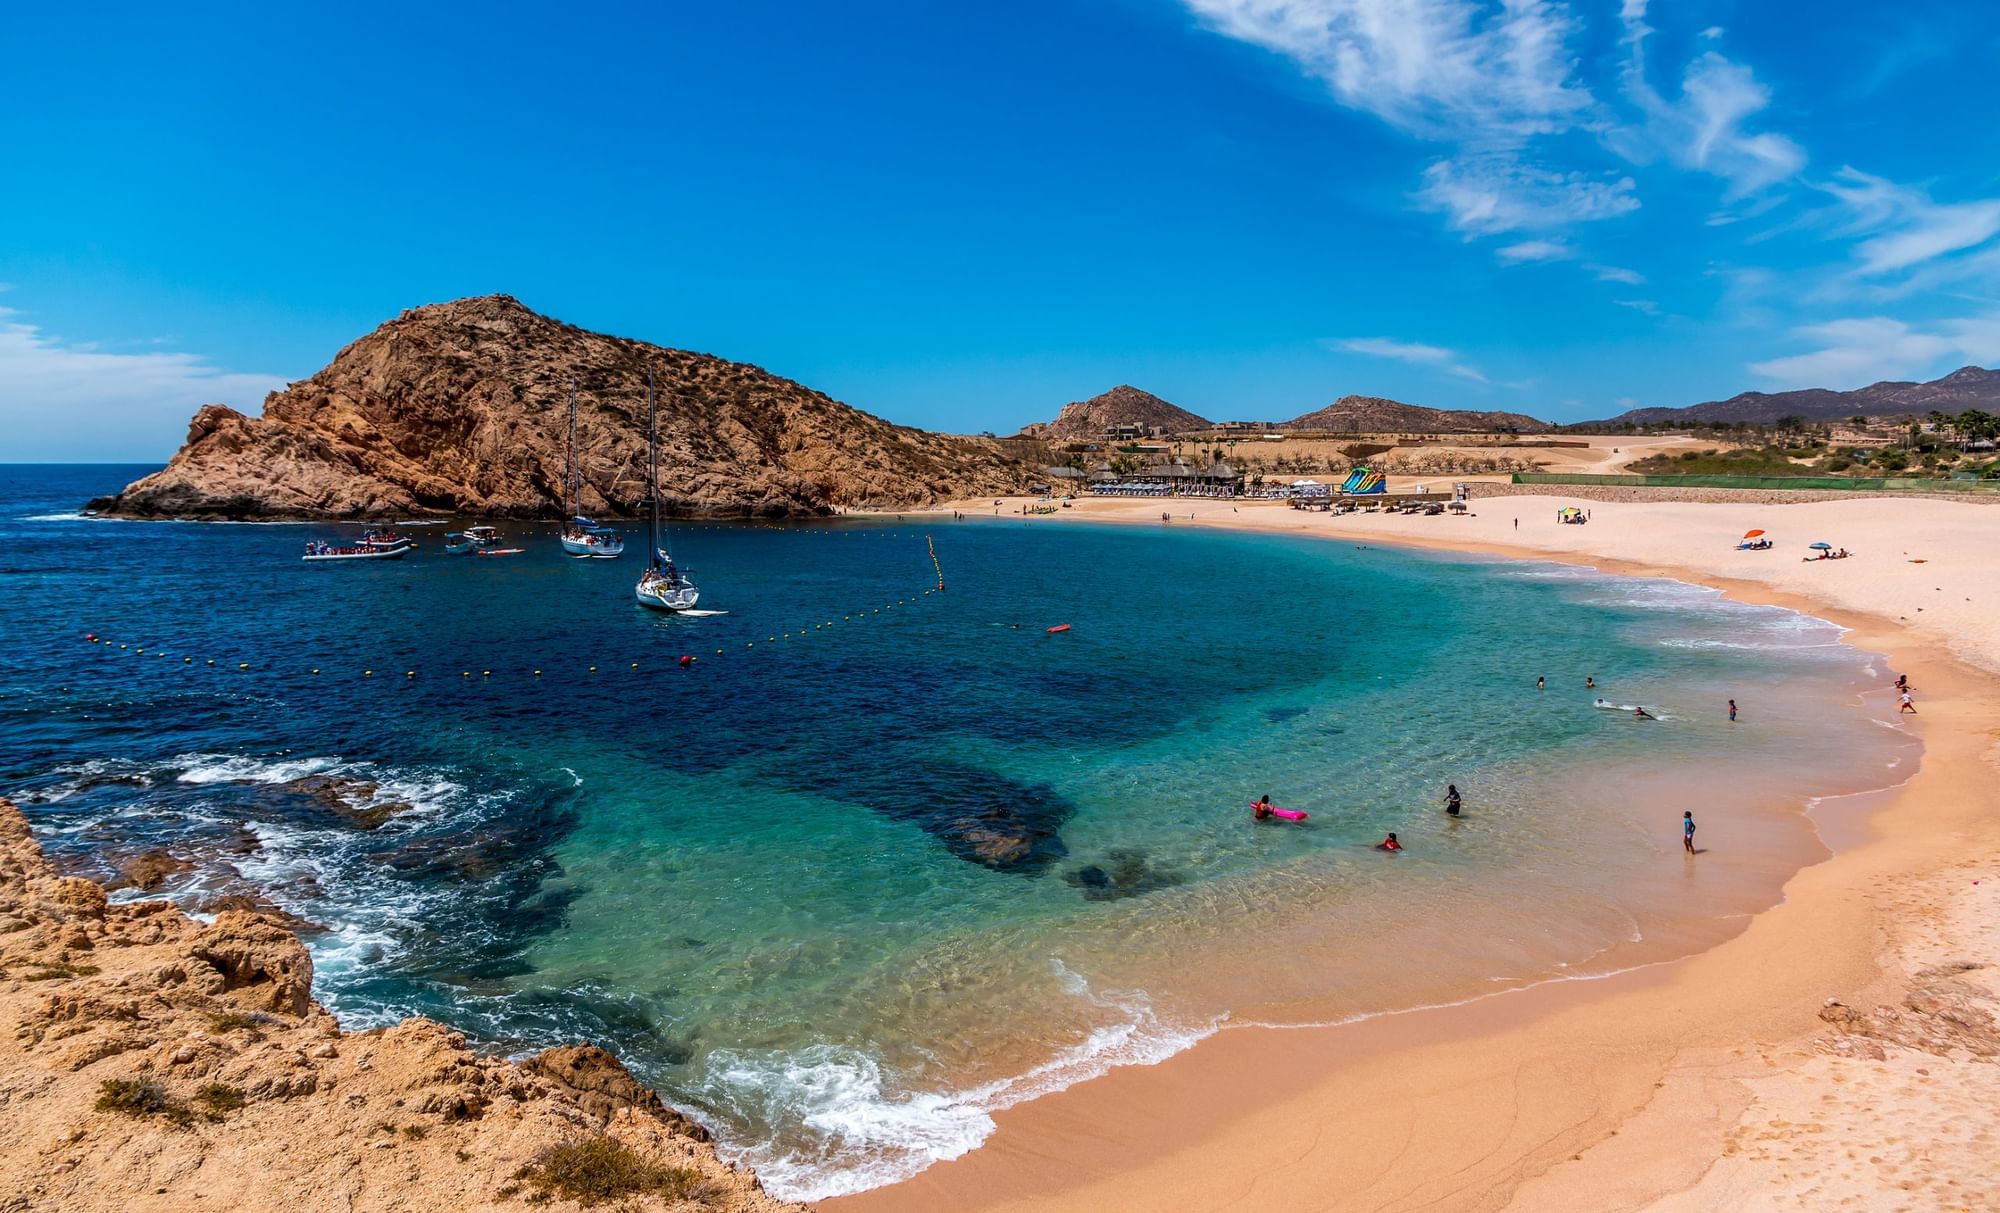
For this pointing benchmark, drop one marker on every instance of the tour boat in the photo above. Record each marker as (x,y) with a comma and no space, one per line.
(327,551)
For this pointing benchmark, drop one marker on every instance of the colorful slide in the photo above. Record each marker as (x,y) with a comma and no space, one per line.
(1361,480)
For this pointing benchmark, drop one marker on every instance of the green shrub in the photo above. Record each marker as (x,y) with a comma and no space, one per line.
(133,1097)
(219,1099)
(50,970)
(600,1169)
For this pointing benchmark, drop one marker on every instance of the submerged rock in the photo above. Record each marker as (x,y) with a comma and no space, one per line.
(352,801)
(148,871)
(1123,874)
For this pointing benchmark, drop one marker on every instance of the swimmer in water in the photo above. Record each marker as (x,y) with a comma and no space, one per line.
(1541,683)
(1590,682)
(1452,804)
(1261,811)
(1389,843)
(1643,714)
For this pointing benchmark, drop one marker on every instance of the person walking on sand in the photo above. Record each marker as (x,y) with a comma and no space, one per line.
(1687,831)
(1904,705)
(1732,711)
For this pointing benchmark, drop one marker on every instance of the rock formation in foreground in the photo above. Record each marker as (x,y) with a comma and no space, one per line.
(148,1062)
(1376,415)
(463,408)
(1082,420)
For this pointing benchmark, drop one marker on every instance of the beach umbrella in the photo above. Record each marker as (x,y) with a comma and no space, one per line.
(1824,547)
(1751,534)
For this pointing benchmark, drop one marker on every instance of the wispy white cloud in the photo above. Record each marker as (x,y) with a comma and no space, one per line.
(1646,306)
(112,405)
(1415,353)
(1444,69)
(1536,250)
(1856,352)
(1484,195)
(1902,227)
(1707,127)
(1615,273)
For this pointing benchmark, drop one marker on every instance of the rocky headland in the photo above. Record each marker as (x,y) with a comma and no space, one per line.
(151,1062)
(462,408)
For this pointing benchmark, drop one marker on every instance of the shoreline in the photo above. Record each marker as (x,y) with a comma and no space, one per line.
(1274,1118)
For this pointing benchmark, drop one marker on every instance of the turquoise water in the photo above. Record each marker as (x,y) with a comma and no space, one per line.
(883,861)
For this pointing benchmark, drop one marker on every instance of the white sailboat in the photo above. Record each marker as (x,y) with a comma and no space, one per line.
(664,586)
(581,536)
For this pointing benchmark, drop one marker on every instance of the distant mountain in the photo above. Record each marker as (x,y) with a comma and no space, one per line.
(1122,405)
(1375,415)
(1968,387)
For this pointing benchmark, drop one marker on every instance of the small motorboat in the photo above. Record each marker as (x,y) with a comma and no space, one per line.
(384,540)
(327,551)
(471,539)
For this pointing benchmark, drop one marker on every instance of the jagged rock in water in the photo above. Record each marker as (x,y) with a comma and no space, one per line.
(462,407)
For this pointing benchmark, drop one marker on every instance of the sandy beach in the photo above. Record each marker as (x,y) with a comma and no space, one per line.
(1837,1053)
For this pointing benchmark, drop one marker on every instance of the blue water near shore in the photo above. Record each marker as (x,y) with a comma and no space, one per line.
(883,861)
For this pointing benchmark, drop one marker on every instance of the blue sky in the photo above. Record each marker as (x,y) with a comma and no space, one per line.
(962,216)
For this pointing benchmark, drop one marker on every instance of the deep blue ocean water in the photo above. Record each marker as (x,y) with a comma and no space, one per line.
(883,860)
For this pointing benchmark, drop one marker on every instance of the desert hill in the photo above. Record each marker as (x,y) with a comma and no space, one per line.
(1376,415)
(463,407)
(1122,405)
(1968,387)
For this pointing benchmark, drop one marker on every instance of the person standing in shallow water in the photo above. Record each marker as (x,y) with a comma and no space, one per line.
(1452,804)
(1542,682)
(1732,711)
(1687,831)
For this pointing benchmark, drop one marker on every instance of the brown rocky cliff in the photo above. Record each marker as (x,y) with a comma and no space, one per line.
(308,1117)
(463,407)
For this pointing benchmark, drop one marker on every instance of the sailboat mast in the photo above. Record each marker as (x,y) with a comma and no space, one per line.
(575,481)
(652,471)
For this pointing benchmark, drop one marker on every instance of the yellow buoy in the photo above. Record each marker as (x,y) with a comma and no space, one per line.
(593,669)
(367,673)
(315,670)
(242,665)
(538,673)
(409,673)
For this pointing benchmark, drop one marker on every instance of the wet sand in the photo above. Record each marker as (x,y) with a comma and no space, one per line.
(1722,1080)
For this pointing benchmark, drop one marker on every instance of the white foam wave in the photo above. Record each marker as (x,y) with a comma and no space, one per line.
(235,768)
(863,1133)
